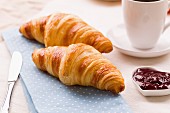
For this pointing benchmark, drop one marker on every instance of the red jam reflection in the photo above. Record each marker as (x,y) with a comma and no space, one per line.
(151,79)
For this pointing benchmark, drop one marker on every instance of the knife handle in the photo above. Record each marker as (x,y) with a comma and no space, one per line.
(7,100)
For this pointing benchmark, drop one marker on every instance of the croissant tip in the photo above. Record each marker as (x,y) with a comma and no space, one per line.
(119,90)
(122,88)
(108,50)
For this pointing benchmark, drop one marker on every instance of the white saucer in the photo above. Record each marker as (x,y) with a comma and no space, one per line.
(120,40)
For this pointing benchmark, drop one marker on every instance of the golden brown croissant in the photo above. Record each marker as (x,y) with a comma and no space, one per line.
(79,64)
(64,29)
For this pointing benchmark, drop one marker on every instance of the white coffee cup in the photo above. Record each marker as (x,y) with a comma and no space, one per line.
(144,21)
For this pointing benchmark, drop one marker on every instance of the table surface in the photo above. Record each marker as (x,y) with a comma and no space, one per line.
(13,14)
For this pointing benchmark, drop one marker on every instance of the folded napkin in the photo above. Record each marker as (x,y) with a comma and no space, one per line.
(46,94)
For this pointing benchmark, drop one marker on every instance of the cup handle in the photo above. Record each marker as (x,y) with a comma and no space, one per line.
(167,24)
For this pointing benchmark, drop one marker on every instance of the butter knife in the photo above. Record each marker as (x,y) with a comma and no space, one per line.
(14,70)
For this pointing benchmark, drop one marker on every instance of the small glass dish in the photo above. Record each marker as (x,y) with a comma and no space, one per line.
(151,73)
(161,92)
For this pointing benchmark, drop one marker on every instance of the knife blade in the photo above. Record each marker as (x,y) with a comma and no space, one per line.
(14,70)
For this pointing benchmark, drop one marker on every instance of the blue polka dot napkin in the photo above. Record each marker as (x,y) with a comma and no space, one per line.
(46,94)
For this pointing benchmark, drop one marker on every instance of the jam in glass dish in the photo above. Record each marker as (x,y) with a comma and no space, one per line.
(151,81)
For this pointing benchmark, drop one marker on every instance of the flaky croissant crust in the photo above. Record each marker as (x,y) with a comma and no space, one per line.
(62,29)
(79,64)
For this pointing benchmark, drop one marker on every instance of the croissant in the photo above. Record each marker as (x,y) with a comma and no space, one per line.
(79,64)
(62,29)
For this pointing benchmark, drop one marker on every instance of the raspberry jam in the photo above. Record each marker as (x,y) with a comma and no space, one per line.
(151,79)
